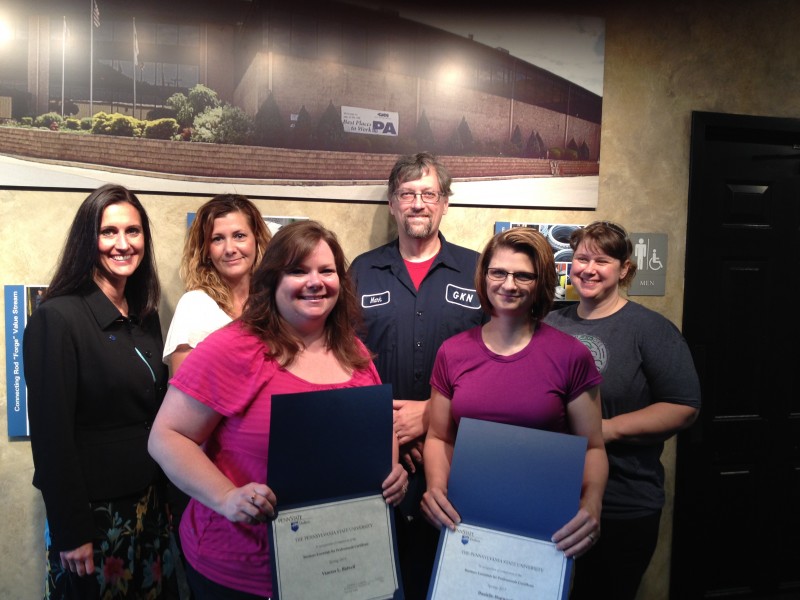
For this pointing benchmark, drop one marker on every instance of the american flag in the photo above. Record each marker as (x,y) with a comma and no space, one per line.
(135,46)
(95,14)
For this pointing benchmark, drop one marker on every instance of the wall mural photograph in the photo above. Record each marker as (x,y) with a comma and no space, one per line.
(302,99)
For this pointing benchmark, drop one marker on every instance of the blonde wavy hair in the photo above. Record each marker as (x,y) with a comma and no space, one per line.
(197,270)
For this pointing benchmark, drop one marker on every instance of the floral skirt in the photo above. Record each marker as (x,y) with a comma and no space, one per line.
(132,555)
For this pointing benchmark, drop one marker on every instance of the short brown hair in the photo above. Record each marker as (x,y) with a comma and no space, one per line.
(611,239)
(533,244)
(411,167)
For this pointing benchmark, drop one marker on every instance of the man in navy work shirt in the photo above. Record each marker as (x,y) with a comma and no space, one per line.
(415,292)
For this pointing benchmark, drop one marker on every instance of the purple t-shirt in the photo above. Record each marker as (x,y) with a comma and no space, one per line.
(229,372)
(530,388)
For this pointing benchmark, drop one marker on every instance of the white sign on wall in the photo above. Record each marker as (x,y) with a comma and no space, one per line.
(373,122)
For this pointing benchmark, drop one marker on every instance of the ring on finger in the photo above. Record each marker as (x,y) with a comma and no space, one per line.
(591,538)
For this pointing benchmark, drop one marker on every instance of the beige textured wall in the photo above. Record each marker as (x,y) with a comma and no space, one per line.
(663,60)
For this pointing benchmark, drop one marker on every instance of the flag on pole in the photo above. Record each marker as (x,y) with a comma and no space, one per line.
(94,21)
(64,36)
(136,62)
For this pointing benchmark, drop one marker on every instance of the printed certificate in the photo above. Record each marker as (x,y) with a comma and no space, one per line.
(476,562)
(513,487)
(337,550)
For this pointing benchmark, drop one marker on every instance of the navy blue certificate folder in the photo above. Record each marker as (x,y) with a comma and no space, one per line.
(511,480)
(330,444)
(515,479)
(327,448)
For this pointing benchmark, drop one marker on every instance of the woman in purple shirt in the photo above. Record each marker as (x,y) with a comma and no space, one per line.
(517,370)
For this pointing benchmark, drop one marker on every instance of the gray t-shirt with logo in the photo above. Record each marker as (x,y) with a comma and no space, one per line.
(643,359)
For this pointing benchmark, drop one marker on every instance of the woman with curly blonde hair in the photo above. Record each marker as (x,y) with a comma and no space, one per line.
(226,241)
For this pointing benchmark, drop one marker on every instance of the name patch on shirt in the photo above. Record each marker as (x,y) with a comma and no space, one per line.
(372,300)
(462,296)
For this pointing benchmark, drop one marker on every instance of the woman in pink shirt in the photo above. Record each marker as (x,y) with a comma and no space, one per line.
(212,434)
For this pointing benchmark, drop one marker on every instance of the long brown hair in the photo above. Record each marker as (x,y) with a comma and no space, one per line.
(290,246)
(197,271)
(79,258)
(533,244)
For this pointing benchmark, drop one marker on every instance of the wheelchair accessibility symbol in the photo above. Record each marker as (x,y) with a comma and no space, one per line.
(654,263)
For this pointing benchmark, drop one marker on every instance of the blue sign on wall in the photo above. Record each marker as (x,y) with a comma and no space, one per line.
(20,302)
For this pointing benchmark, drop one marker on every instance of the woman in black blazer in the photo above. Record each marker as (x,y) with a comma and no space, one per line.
(92,358)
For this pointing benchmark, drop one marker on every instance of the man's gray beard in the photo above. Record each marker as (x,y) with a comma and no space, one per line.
(416,232)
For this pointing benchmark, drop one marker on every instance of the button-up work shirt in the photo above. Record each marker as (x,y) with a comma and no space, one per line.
(405,326)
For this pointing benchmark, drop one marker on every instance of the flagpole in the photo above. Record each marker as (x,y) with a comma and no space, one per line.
(63,61)
(135,64)
(91,58)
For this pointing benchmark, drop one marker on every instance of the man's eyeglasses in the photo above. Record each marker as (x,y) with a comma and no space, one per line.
(519,277)
(428,197)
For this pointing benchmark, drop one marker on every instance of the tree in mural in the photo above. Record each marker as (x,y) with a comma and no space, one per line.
(424,134)
(300,134)
(461,142)
(223,125)
(329,134)
(535,147)
(179,104)
(200,99)
(269,125)
(571,151)
(517,145)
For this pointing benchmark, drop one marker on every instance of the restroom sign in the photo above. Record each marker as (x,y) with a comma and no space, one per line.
(368,121)
(650,258)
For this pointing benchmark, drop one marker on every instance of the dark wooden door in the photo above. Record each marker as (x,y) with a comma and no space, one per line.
(737,497)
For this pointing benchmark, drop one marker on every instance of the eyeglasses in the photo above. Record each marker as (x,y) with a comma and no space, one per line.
(522,277)
(428,197)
